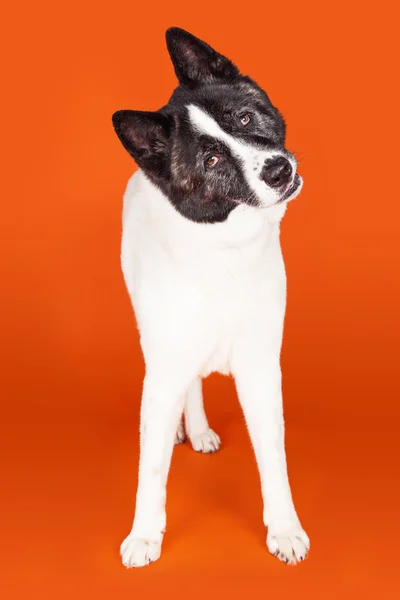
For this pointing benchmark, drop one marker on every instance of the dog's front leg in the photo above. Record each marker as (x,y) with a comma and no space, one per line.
(258,380)
(162,405)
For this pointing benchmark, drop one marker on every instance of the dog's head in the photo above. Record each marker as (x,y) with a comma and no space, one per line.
(219,141)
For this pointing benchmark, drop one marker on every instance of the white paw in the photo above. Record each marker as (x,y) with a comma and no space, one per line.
(289,543)
(136,552)
(180,435)
(206,442)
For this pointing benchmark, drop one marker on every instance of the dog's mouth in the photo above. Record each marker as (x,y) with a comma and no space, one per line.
(291,191)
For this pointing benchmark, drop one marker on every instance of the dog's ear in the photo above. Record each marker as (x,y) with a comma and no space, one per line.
(195,61)
(145,136)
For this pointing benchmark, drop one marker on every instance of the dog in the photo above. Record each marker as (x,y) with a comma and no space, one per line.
(202,263)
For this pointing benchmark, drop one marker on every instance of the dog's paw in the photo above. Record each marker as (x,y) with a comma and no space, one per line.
(206,442)
(289,543)
(137,552)
(180,436)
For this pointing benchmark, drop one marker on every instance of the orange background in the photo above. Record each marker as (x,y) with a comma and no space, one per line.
(71,363)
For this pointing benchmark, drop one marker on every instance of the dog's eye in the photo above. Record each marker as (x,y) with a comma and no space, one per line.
(245,119)
(212,161)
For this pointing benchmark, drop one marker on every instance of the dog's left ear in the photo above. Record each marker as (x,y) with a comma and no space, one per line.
(195,62)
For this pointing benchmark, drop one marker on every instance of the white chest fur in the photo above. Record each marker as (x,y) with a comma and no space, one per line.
(180,274)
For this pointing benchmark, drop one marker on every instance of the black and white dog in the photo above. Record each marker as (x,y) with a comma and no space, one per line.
(202,262)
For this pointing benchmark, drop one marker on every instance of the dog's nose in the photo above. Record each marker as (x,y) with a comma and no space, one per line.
(276,171)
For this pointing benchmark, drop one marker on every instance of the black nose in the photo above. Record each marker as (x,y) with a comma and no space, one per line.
(276,171)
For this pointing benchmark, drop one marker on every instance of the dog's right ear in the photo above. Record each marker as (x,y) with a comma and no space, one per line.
(145,135)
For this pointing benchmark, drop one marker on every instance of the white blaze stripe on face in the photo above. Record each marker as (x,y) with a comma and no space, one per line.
(252,158)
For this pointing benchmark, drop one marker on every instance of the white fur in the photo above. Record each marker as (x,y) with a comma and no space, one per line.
(207,297)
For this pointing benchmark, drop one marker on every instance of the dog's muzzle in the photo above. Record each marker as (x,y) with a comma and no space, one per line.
(292,189)
(276,172)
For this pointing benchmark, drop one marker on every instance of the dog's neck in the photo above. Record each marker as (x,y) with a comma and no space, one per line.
(244,224)
(246,242)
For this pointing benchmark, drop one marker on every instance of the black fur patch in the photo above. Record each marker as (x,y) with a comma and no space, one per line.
(174,156)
